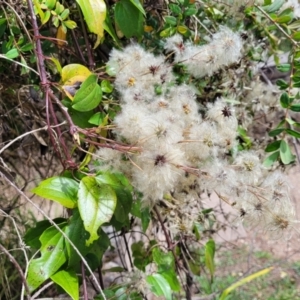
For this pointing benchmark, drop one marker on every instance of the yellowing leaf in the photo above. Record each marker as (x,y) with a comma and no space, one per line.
(72,70)
(56,63)
(244,281)
(72,76)
(148,28)
(70,24)
(182,29)
(94,12)
(61,36)
(38,8)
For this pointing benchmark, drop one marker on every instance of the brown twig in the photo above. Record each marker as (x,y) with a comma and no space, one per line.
(45,84)
(168,240)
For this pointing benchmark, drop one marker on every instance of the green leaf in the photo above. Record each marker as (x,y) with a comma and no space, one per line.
(244,281)
(294,25)
(146,218)
(274,6)
(32,235)
(285,153)
(142,213)
(97,250)
(292,122)
(37,6)
(164,261)
(166,267)
(27,47)
(24,69)
(283,67)
(56,63)
(175,9)
(160,286)
(108,27)
(276,131)
(136,208)
(293,133)
(3,24)
(129,19)
(68,280)
(76,233)
(282,84)
(246,140)
(88,96)
(273,146)
(284,19)
(209,257)
(295,107)
(141,256)
(121,294)
(50,3)
(55,21)
(167,32)
(190,11)
(271,159)
(96,203)
(52,258)
(296,84)
(97,118)
(79,118)
(60,189)
(171,20)
(46,17)
(296,36)
(121,187)
(171,277)
(12,53)
(109,294)
(285,100)
(139,6)
(65,14)
(70,24)
(106,86)
(94,12)
(59,8)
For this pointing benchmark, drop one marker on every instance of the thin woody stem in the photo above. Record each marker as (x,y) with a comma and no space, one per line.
(46,88)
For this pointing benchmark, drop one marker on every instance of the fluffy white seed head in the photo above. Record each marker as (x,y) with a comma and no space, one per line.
(248,164)
(109,159)
(175,44)
(228,46)
(157,172)
(222,113)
